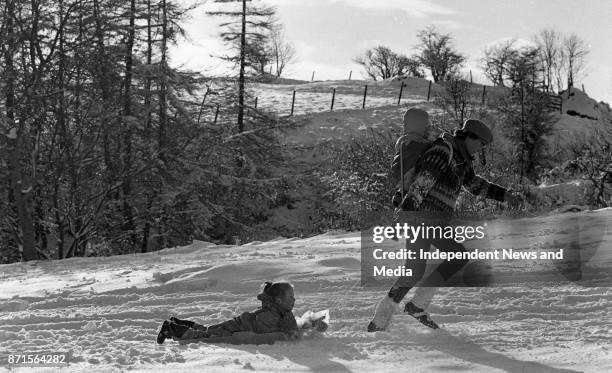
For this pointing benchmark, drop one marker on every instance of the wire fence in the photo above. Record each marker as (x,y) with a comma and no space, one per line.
(316,97)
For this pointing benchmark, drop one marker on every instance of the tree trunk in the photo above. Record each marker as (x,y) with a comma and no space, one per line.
(148,109)
(241,75)
(21,190)
(59,221)
(21,194)
(128,218)
(39,210)
(147,89)
(163,114)
(103,84)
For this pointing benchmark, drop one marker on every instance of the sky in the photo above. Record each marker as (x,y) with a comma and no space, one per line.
(329,34)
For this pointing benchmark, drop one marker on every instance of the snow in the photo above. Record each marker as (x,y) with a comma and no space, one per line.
(562,194)
(106,311)
(317,96)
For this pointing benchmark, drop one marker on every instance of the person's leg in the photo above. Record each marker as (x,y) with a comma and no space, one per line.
(404,283)
(428,286)
(187,323)
(389,304)
(172,330)
(197,331)
(224,329)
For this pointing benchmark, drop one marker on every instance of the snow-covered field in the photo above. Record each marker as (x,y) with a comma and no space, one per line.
(317,97)
(106,312)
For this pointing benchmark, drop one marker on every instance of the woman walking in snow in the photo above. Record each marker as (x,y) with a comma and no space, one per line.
(439,174)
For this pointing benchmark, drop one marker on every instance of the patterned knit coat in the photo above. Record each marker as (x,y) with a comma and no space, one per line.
(441,172)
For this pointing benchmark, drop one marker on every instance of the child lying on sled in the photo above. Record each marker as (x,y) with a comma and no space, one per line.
(277,301)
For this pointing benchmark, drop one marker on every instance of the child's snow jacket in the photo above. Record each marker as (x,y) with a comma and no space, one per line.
(269,318)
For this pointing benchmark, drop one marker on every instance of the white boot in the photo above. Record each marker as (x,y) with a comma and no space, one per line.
(383,314)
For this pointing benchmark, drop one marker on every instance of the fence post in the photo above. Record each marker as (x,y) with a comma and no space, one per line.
(292,103)
(333,98)
(312,78)
(365,93)
(484,93)
(429,91)
(216,113)
(350,74)
(471,81)
(255,102)
(400,95)
(583,89)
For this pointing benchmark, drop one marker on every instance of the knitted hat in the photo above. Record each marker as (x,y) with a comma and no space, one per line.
(478,129)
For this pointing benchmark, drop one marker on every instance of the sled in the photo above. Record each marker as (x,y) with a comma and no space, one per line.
(310,317)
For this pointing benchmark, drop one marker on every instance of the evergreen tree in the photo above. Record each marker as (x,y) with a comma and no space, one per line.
(246,34)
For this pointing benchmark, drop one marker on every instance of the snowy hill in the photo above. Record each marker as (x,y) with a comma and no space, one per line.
(106,311)
(581,115)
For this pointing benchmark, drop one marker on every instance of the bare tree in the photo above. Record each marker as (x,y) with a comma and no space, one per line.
(411,66)
(382,62)
(549,43)
(282,52)
(523,67)
(438,54)
(496,60)
(575,52)
(456,100)
(258,56)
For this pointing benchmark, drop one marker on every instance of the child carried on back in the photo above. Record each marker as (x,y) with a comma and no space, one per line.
(275,315)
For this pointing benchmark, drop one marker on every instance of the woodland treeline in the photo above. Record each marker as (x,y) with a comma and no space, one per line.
(553,62)
(107,149)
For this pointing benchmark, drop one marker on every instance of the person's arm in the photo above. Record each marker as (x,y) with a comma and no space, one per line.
(479,186)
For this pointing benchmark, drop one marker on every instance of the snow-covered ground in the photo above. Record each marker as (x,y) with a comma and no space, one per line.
(106,311)
(317,97)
